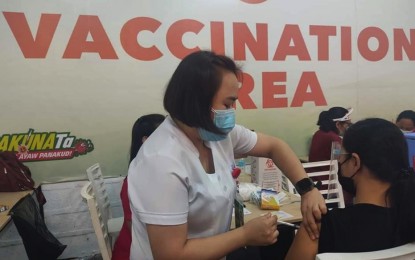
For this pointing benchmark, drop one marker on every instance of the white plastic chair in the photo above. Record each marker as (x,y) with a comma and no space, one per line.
(330,188)
(403,252)
(113,225)
(100,226)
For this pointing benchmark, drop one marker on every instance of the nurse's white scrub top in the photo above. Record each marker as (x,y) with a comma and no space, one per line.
(167,184)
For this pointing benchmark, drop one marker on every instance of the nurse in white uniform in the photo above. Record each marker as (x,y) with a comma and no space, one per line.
(181,188)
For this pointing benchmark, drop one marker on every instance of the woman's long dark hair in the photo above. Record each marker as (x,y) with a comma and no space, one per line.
(144,126)
(325,119)
(383,149)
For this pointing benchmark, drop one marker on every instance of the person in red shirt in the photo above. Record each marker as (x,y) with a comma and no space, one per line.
(142,129)
(333,123)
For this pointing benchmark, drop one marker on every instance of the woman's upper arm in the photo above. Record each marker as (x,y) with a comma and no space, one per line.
(243,140)
(264,145)
(302,247)
(271,147)
(167,242)
(282,155)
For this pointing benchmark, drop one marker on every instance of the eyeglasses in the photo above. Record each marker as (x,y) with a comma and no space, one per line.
(346,117)
(336,154)
(348,158)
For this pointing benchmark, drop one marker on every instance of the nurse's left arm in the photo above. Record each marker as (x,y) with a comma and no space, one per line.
(312,202)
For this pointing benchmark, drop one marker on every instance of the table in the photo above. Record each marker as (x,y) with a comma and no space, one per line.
(286,235)
(291,206)
(9,199)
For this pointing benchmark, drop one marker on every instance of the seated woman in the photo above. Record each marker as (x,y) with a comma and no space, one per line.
(333,123)
(374,159)
(406,121)
(142,129)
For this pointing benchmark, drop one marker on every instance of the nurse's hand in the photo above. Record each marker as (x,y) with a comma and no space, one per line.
(261,231)
(312,207)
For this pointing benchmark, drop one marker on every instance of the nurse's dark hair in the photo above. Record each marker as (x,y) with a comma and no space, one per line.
(382,148)
(194,83)
(325,119)
(143,127)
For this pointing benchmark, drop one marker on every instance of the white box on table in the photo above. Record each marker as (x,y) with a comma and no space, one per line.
(266,174)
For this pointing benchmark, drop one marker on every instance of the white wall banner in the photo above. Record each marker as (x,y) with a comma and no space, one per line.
(76,74)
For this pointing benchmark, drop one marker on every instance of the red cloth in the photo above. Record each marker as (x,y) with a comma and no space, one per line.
(123,244)
(320,149)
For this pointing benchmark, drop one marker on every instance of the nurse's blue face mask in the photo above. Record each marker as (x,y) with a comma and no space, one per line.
(224,120)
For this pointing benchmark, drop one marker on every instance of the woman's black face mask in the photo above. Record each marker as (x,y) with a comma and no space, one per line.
(346,182)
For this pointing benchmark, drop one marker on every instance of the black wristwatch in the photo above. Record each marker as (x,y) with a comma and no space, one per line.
(304,185)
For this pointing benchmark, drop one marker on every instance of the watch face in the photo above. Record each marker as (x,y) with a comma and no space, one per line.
(304,185)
